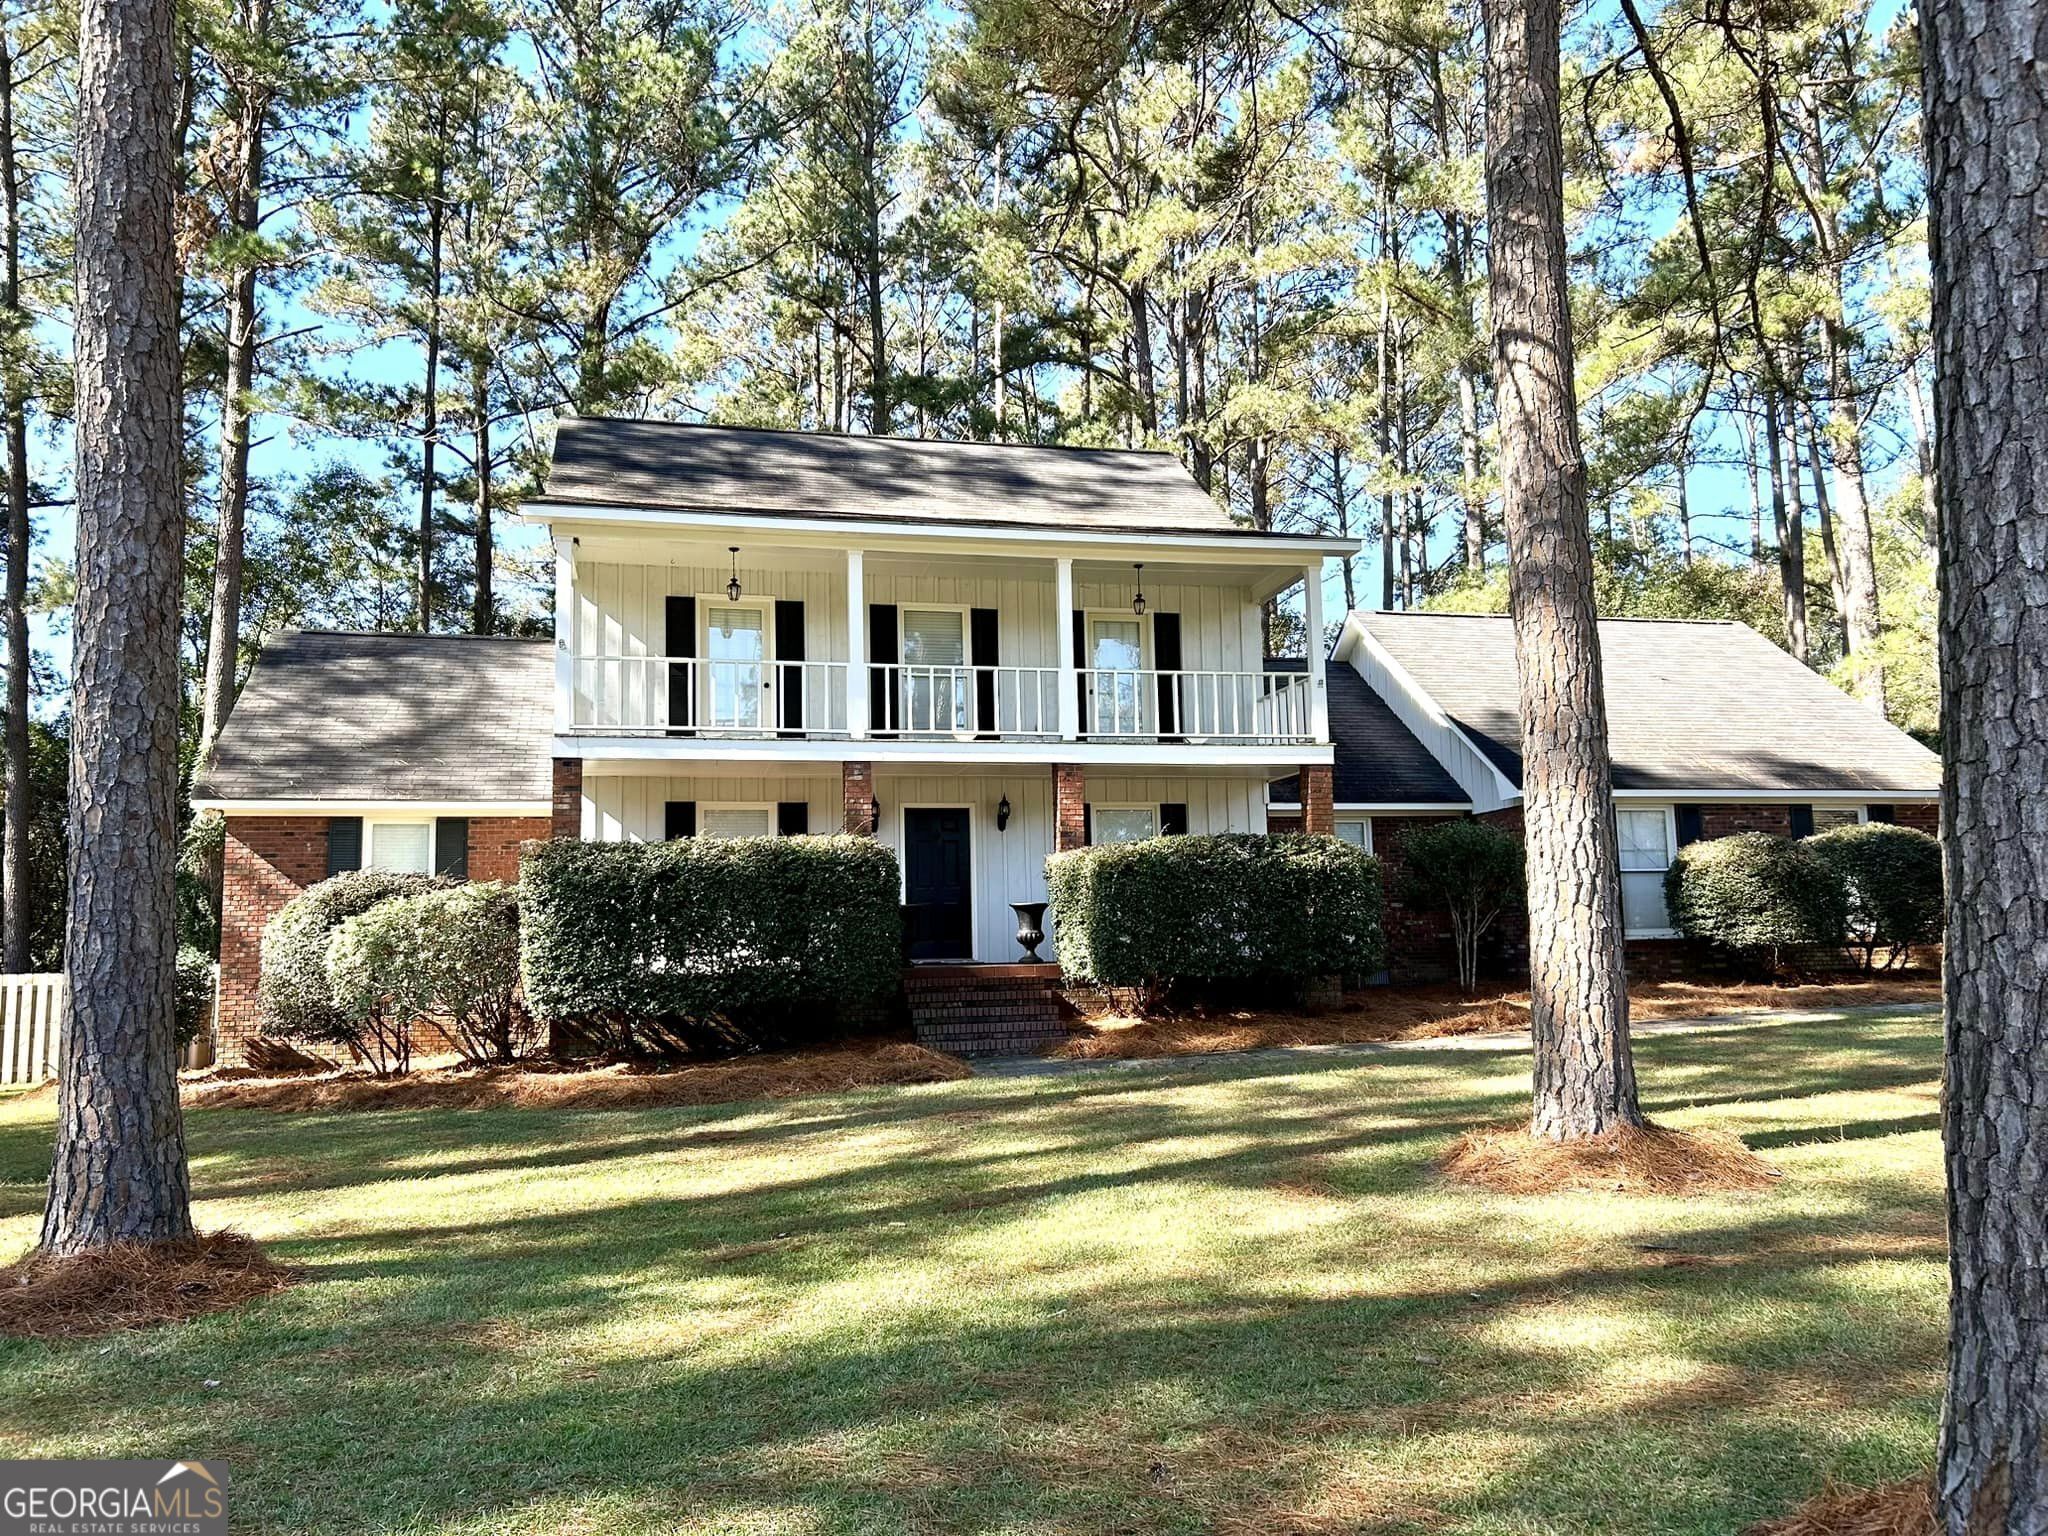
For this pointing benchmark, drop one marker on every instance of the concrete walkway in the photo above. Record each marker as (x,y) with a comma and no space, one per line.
(1500,1044)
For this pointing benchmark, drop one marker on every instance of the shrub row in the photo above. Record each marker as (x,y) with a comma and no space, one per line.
(1875,886)
(358,959)
(708,945)
(1234,907)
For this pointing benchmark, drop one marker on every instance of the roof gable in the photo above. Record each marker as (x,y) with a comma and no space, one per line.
(1691,705)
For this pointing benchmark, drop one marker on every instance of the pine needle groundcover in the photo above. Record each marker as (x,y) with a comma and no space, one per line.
(134,1285)
(704,946)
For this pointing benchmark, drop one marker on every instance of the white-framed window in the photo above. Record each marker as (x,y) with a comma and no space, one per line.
(937,693)
(1646,839)
(720,822)
(1827,817)
(1122,823)
(1355,830)
(405,846)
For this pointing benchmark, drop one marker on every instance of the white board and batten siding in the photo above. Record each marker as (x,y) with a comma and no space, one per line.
(633,808)
(622,610)
(31,1007)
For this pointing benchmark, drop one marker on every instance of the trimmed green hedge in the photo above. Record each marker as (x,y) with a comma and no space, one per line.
(452,954)
(1757,895)
(295,994)
(1892,878)
(1229,908)
(701,944)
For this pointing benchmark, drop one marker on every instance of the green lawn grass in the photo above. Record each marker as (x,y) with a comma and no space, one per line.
(1197,1297)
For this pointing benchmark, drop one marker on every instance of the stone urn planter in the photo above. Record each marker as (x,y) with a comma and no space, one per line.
(1030,926)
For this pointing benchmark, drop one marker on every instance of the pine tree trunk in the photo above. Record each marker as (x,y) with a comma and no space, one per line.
(224,630)
(1584,1075)
(118,1172)
(19,808)
(483,606)
(1791,533)
(430,434)
(1986,117)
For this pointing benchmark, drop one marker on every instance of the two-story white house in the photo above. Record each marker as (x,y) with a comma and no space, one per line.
(979,653)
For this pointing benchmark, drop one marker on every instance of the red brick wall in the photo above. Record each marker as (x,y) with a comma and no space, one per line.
(268,861)
(1727,820)
(1069,807)
(494,844)
(1318,792)
(568,805)
(1924,818)
(1419,945)
(858,782)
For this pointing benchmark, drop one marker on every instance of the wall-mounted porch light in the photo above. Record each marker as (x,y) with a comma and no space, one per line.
(1138,602)
(1003,814)
(732,588)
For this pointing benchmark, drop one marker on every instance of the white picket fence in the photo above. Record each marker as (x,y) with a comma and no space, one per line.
(31,1008)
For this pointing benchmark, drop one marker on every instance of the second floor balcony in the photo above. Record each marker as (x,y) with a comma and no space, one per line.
(761,698)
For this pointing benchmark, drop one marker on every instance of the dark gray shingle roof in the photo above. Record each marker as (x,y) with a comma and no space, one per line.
(673,465)
(330,716)
(1690,705)
(1379,761)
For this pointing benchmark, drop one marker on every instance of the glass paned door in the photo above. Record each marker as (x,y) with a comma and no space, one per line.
(1115,655)
(735,658)
(935,679)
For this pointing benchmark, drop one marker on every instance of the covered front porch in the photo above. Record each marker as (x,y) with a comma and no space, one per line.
(972,839)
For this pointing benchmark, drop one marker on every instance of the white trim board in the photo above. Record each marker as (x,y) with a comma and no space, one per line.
(637,750)
(377,807)
(881,532)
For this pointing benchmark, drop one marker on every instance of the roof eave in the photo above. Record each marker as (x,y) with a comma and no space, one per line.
(556,510)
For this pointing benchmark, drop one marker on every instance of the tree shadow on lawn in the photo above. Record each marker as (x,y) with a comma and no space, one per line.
(1084,1304)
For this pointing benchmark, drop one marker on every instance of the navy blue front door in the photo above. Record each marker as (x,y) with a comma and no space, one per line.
(937,912)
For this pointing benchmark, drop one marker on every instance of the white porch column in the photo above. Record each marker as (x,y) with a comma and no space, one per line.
(1069,683)
(856,644)
(1318,678)
(565,634)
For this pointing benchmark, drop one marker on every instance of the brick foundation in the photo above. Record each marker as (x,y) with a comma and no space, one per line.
(857,780)
(268,860)
(1069,807)
(568,801)
(494,844)
(1318,796)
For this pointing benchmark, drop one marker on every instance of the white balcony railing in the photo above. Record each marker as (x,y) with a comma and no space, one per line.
(908,699)
(1196,706)
(686,695)
(665,695)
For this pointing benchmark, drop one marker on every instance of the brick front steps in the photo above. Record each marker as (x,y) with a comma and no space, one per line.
(985,1010)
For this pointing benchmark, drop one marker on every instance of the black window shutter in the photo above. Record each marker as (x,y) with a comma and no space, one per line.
(451,847)
(681,640)
(1688,818)
(344,844)
(679,819)
(1166,657)
(1886,814)
(1081,664)
(1088,825)
(885,706)
(1173,818)
(1802,821)
(984,650)
(789,647)
(792,818)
